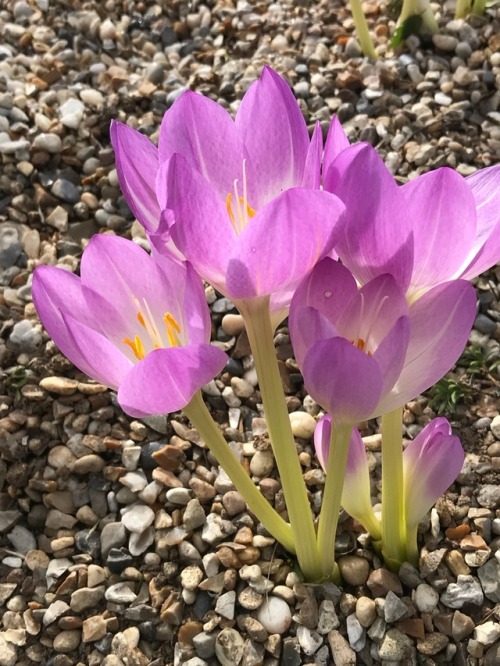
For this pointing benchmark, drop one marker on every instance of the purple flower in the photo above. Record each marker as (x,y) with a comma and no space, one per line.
(132,322)
(364,352)
(431,463)
(356,498)
(240,199)
(435,228)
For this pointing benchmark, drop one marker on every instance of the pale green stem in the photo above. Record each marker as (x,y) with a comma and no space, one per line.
(393,509)
(261,337)
(332,494)
(420,8)
(412,554)
(362,29)
(200,417)
(462,8)
(479,7)
(372,524)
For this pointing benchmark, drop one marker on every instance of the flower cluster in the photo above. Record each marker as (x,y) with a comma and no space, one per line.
(373,276)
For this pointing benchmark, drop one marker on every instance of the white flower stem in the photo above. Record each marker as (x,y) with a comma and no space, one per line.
(332,494)
(393,509)
(261,337)
(362,31)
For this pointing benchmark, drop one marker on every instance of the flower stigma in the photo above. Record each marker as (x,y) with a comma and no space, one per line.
(244,212)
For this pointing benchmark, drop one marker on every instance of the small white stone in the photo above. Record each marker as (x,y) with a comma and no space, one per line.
(426,598)
(120,594)
(487,633)
(303,424)
(138,517)
(225,605)
(274,615)
(22,539)
(138,543)
(309,641)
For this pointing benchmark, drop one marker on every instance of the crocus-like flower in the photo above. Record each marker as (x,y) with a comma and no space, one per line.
(240,198)
(435,228)
(364,352)
(431,462)
(356,498)
(132,322)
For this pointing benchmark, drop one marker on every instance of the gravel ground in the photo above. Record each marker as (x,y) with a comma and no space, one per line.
(121,542)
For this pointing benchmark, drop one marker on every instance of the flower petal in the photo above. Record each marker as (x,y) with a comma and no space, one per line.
(275,137)
(377,236)
(56,290)
(95,354)
(391,353)
(167,379)
(336,142)
(311,178)
(342,379)
(308,326)
(283,242)
(431,462)
(373,311)
(440,322)
(328,288)
(204,133)
(202,229)
(444,221)
(119,277)
(486,249)
(136,164)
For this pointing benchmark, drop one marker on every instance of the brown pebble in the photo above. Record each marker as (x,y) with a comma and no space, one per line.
(354,570)
(167,478)
(455,562)
(249,556)
(228,558)
(473,542)
(413,626)
(457,533)
(188,631)
(169,457)
(203,491)
(381,581)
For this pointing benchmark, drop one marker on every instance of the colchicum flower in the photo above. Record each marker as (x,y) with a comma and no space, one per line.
(431,463)
(364,352)
(240,198)
(435,228)
(137,324)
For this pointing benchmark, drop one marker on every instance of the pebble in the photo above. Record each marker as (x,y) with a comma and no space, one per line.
(22,539)
(342,653)
(394,608)
(309,641)
(229,647)
(354,570)
(225,605)
(365,611)
(65,190)
(466,590)
(487,633)
(48,142)
(8,652)
(395,646)
(381,581)
(67,641)
(489,576)
(138,518)
(303,425)
(120,593)
(274,615)
(355,633)
(426,598)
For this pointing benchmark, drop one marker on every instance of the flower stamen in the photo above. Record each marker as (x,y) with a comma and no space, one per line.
(173,329)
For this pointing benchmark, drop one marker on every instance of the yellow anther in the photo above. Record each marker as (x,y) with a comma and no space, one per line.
(245,212)
(141,319)
(173,329)
(136,346)
(229,207)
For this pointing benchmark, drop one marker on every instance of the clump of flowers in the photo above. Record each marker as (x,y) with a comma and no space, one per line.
(373,277)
